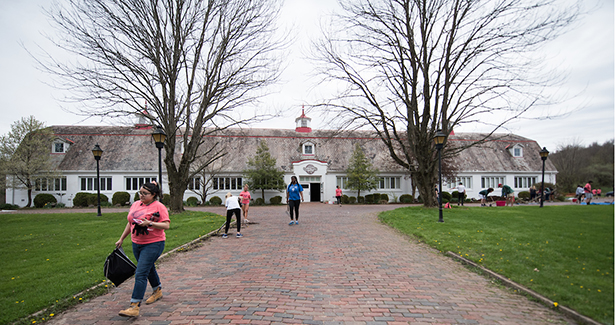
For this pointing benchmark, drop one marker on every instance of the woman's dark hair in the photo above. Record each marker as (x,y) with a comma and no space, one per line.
(293,180)
(152,188)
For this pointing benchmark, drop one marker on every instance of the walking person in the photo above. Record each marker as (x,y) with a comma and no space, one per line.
(338,195)
(533,193)
(245,202)
(147,221)
(461,192)
(232,208)
(294,197)
(483,196)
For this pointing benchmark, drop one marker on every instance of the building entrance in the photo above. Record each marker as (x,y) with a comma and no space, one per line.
(314,192)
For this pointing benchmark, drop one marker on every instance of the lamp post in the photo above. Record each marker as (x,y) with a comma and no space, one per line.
(544,153)
(439,140)
(159,137)
(97,154)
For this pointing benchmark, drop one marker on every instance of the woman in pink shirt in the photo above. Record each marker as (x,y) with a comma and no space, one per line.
(338,195)
(147,221)
(245,202)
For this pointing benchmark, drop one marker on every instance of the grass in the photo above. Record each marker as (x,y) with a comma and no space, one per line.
(564,253)
(48,258)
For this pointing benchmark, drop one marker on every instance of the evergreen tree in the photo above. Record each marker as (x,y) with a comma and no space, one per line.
(362,176)
(262,173)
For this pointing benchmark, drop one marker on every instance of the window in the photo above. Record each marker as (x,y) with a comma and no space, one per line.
(342,181)
(492,181)
(58,147)
(89,184)
(135,183)
(524,181)
(304,123)
(194,184)
(389,183)
(227,183)
(50,184)
(465,180)
(308,149)
(308,179)
(517,152)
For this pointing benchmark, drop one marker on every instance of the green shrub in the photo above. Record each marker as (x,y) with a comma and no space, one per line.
(8,206)
(455,195)
(60,205)
(361,199)
(352,200)
(192,201)
(345,199)
(377,198)
(384,198)
(81,199)
(136,197)
(215,201)
(166,199)
(446,196)
(275,200)
(121,198)
(406,198)
(259,201)
(369,199)
(43,198)
(93,199)
(524,195)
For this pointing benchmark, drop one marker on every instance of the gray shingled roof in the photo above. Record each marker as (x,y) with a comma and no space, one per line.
(129,149)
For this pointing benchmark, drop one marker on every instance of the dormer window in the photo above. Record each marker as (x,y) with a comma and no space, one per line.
(518,152)
(59,147)
(308,149)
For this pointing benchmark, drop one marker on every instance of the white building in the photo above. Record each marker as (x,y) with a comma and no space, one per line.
(318,158)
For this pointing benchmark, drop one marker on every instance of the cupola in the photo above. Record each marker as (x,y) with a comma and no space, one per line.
(303,123)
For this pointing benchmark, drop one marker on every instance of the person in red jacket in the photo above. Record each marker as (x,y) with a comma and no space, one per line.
(338,195)
(147,221)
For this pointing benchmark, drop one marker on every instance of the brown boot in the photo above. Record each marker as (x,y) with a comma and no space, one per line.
(154,297)
(132,311)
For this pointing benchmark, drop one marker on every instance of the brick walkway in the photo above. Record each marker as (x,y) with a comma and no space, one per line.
(338,266)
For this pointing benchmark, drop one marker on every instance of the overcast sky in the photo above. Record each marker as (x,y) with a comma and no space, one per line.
(586,54)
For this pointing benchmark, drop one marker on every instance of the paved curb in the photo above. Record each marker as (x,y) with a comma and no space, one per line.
(507,282)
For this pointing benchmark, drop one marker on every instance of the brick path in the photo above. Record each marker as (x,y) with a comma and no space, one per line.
(338,266)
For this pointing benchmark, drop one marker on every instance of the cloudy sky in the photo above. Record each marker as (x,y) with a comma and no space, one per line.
(585,54)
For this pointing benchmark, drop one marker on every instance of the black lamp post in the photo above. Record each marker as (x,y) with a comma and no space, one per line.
(159,137)
(544,153)
(439,140)
(97,154)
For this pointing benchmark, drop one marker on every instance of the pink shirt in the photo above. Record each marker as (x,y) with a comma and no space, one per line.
(588,188)
(245,197)
(338,192)
(140,211)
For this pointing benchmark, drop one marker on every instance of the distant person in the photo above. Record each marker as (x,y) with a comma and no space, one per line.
(599,193)
(294,197)
(232,208)
(461,192)
(245,202)
(483,196)
(147,221)
(508,193)
(338,195)
(533,193)
(547,193)
(552,192)
(587,189)
(579,194)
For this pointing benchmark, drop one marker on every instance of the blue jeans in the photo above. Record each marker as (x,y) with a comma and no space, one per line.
(146,255)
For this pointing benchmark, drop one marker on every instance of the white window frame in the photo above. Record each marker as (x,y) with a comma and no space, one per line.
(227,183)
(88,183)
(55,143)
(134,183)
(53,184)
(524,181)
(308,145)
(492,181)
(465,180)
(389,183)
(514,150)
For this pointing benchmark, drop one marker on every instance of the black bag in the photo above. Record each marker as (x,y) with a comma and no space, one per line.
(118,267)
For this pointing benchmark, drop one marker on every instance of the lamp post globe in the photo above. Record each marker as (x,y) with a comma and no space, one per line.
(159,137)
(97,152)
(544,153)
(439,139)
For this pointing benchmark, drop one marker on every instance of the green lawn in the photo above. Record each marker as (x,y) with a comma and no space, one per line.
(47,258)
(564,253)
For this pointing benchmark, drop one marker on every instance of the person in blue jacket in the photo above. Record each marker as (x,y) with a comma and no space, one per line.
(294,197)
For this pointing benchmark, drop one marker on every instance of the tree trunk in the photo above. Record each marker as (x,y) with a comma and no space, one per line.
(29,198)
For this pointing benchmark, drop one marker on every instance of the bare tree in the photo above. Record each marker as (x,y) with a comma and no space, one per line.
(25,153)
(193,63)
(409,68)
(208,170)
